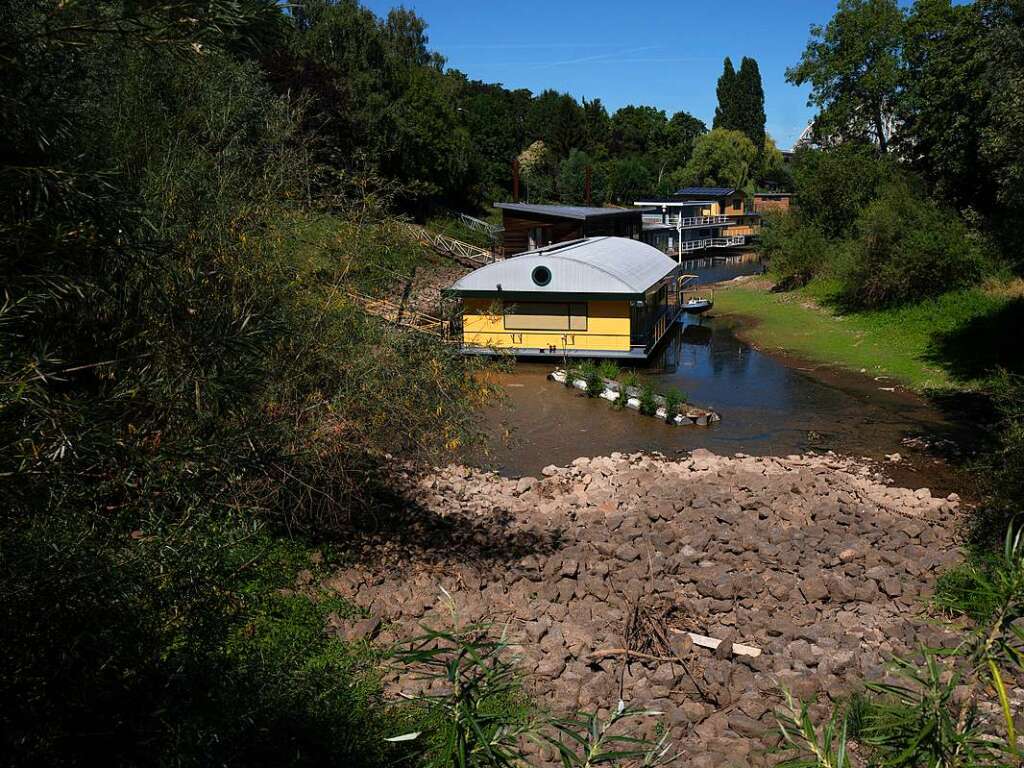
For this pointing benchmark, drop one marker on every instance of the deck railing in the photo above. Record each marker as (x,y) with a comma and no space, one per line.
(692,222)
(689,246)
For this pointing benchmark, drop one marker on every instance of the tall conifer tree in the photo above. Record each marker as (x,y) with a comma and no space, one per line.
(725,112)
(749,104)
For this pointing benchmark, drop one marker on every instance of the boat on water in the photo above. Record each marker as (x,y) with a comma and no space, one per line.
(697,305)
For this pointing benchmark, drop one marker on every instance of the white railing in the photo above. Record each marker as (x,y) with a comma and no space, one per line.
(691,222)
(449,246)
(688,246)
(493,231)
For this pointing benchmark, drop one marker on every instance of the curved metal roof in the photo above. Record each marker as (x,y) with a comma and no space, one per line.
(595,265)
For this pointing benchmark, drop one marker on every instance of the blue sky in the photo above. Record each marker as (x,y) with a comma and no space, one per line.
(662,53)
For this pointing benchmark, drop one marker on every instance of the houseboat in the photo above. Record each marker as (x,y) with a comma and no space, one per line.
(527,226)
(597,297)
(697,218)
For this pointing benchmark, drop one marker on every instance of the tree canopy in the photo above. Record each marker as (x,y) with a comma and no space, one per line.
(721,157)
(853,67)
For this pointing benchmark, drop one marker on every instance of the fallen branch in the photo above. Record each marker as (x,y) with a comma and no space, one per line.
(609,652)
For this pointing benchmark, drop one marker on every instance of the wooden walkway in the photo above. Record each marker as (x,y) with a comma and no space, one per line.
(400,315)
(464,253)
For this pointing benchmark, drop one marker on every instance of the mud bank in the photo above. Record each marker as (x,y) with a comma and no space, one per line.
(812,559)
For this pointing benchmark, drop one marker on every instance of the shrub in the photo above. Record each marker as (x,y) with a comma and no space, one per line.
(1002,467)
(908,248)
(796,248)
(594,381)
(673,399)
(648,402)
(609,369)
(629,379)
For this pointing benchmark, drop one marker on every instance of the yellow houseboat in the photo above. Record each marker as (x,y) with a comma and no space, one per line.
(596,297)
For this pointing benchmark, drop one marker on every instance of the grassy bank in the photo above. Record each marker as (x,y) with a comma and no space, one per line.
(953,341)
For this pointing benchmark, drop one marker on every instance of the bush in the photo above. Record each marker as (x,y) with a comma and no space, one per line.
(673,399)
(796,249)
(594,381)
(629,379)
(908,248)
(1002,467)
(648,402)
(833,186)
(609,369)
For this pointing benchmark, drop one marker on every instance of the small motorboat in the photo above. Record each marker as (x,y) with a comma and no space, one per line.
(698,305)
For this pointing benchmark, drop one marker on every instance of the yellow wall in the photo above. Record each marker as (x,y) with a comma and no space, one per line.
(607,328)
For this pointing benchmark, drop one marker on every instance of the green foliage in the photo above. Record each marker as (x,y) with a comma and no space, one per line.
(833,187)
(572,178)
(870,227)
(741,102)
(673,400)
(594,380)
(721,157)
(474,719)
(795,250)
(608,369)
(182,380)
(628,179)
(585,741)
(629,378)
(908,248)
(726,115)
(854,67)
(1003,466)
(648,402)
(825,750)
(476,715)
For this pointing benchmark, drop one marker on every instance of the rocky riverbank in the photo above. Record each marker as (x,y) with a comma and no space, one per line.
(600,568)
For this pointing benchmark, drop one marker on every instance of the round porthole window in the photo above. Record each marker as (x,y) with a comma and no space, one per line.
(541,275)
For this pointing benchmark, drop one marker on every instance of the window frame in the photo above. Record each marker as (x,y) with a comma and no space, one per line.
(570,316)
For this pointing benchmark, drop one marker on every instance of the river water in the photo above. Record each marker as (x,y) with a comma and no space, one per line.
(769,406)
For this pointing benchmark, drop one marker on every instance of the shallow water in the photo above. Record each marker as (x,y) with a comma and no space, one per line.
(769,406)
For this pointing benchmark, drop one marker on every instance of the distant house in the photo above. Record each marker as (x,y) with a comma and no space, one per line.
(697,218)
(772,201)
(528,227)
(599,297)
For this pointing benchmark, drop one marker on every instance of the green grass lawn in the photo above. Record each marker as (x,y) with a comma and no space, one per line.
(954,341)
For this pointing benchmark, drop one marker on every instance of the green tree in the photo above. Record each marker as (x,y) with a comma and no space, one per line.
(750,105)
(628,179)
(960,113)
(572,176)
(721,157)
(854,66)
(727,111)
(832,187)
(596,126)
(637,131)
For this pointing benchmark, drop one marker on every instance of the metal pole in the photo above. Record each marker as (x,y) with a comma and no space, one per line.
(679,235)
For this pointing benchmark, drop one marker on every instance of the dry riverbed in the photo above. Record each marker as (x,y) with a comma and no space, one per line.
(600,568)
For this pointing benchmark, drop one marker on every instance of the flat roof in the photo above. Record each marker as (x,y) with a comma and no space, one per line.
(576,212)
(591,266)
(708,191)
